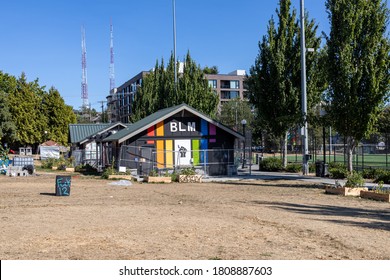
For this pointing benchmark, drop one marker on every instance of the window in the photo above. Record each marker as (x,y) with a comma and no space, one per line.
(225,84)
(225,94)
(213,83)
(234,84)
(234,94)
(230,84)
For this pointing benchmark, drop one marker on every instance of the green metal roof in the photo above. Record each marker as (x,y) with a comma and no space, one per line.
(80,132)
(157,117)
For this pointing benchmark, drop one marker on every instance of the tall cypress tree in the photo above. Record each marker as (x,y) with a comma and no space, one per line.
(274,82)
(59,116)
(158,90)
(358,67)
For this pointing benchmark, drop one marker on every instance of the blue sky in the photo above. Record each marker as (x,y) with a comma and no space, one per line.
(43,38)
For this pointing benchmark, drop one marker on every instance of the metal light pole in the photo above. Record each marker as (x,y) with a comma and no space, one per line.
(243,122)
(305,150)
(174,39)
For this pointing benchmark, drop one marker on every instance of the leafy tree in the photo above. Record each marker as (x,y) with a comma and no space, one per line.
(358,67)
(211,70)
(59,116)
(383,124)
(25,106)
(274,81)
(233,112)
(158,90)
(7,126)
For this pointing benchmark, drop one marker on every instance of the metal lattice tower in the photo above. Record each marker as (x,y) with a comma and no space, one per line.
(112,71)
(84,84)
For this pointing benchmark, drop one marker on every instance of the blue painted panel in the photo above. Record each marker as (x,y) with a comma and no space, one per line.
(203,153)
(204,127)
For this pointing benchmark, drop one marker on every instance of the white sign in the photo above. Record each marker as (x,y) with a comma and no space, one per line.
(178,126)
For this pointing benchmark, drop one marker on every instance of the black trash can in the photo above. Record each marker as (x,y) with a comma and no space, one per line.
(319,168)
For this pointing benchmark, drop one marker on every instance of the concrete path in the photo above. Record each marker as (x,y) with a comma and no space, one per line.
(254,174)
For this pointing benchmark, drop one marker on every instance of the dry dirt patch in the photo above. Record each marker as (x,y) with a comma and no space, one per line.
(252,219)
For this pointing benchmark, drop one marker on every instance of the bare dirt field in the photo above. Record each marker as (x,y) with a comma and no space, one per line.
(252,219)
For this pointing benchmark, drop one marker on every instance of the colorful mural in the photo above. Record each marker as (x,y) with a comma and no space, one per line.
(172,151)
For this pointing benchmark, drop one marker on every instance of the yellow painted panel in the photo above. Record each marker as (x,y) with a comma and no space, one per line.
(160,129)
(169,153)
(160,153)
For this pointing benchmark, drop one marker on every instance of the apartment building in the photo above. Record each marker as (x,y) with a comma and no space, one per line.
(120,99)
(227,86)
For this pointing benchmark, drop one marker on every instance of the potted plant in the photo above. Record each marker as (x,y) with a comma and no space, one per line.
(155,178)
(353,186)
(379,193)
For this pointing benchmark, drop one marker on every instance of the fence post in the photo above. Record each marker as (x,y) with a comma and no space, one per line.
(356,156)
(204,162)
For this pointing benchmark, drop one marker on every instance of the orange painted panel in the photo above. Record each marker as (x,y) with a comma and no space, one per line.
(160,129)
(160,153)
(169,153)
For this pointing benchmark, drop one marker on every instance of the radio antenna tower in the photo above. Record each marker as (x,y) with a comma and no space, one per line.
(112,71)
(84,84)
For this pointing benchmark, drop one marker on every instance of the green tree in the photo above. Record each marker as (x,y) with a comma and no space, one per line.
(233,112)
(211,70)
(25,105)
(358,67)
(7,126)
(383,124)
(274,81)
(59,116)
(158,90)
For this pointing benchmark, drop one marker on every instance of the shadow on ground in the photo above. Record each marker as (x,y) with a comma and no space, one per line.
(376,219)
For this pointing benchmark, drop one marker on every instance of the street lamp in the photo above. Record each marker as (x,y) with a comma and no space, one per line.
(305,150)
(243,122)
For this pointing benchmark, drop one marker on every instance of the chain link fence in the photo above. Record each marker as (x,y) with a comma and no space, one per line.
(144,160)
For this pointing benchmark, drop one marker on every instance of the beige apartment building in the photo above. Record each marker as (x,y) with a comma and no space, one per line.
(227,86)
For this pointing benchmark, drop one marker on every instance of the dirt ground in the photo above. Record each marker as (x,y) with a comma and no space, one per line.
(252,219)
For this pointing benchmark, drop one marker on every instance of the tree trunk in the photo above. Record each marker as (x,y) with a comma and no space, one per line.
(351,144)
(285,150)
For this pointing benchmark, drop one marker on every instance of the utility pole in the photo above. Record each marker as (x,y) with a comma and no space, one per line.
(305,150)
(102,102)
(174,41)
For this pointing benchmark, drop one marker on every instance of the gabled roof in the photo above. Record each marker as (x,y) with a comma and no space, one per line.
(153,119)
(81,132)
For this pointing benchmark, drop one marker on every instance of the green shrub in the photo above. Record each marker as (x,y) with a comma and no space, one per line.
(188,171)
(355,180)
(175,177)
(48,163)
(312,167)
(373,173)
(107,172)
(337,170)
(271,164)
(384,176)
(294,167)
